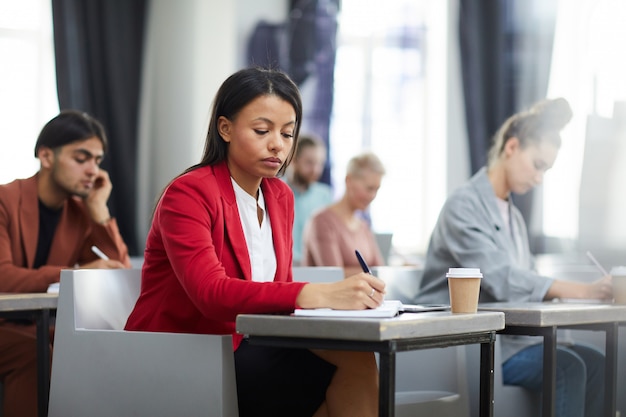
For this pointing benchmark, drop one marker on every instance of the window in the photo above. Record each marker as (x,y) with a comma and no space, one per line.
(27,83)
(389,95)
(587,69)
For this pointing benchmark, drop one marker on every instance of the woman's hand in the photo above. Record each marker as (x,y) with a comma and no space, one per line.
(602,289)
(356,292)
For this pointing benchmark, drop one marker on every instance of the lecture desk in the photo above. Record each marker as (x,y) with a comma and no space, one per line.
(387,336)
(38,307)
(544,318)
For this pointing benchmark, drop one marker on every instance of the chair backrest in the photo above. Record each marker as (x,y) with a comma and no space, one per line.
(100,370)
(383,240)
(104,300)
(402,282)
(317,273)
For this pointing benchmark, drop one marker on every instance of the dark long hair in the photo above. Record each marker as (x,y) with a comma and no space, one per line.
(70,126)
(234,94)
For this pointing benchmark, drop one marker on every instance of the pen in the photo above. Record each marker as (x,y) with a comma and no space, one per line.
(98,252)
(364,266)
(596,263)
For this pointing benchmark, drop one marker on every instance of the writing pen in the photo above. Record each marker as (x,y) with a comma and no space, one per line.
(596,263)
(364,266)
(98,252)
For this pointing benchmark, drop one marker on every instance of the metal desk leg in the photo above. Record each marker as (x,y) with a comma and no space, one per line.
(486,378)
(610,377)
(43,362)
(549,372)
(387,383)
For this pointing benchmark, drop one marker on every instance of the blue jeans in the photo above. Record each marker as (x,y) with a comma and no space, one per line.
(579,377)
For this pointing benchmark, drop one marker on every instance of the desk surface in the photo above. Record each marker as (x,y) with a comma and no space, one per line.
(406,325)
(28,301)
(548,313)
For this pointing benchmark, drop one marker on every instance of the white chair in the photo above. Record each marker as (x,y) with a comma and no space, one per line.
(98,369)
(317,273)
(384,243)
(402,282)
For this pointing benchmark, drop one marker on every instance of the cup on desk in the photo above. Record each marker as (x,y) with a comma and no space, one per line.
(464,288)
(619,284)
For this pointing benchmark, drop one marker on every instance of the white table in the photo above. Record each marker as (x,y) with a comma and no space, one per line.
(385,336)
(543,319)
(37,307)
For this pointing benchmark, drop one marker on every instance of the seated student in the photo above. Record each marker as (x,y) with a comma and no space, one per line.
(479,226)
(332,235)
(309,194)
(220,244)
(49,222)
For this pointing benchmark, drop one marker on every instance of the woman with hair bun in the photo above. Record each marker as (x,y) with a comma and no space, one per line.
(480,227)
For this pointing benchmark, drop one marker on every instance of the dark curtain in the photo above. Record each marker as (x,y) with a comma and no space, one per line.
(98,51)
(487,73)
(318,60)
(305,48)
(505,47)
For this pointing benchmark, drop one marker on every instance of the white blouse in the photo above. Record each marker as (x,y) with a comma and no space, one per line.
(258,237)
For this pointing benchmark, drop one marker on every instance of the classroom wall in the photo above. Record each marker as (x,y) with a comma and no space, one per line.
(191,47)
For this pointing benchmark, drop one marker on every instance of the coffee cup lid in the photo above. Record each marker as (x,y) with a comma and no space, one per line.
(618,270)
(464,273)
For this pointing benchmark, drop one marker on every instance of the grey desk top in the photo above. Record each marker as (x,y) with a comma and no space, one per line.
(557,313)
(404,326)
(28,301)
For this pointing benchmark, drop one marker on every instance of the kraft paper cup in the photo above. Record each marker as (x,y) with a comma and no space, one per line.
(464,288)
(619,284)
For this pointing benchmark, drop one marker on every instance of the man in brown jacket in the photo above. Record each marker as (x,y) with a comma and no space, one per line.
(49,222)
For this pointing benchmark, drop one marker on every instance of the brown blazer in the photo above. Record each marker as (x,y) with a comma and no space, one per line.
(71,245)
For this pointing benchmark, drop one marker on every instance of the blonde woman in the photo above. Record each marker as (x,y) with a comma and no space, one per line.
(479,226)
(333,234)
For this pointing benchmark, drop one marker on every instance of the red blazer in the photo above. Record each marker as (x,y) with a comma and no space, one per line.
(71,245)
(197,275)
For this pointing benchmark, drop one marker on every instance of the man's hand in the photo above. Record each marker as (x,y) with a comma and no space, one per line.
(97,199)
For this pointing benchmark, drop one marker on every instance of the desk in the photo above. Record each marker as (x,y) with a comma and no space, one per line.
(385,336)
(543,319)
(37,307)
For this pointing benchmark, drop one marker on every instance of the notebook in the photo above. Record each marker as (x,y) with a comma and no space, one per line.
(389,308)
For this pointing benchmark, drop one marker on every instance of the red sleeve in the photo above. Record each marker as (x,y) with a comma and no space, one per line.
(203,240)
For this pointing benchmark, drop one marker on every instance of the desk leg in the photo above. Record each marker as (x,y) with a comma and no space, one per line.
(43,362)
(486,378)
(387,383)
(549,372)
(610,377)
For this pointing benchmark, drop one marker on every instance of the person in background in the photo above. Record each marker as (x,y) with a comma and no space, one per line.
(309,194)
(220,244)
(333,234)
(49,222)
(480,227)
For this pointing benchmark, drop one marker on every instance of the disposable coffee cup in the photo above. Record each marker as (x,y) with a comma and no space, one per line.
(464,289)
(619,284)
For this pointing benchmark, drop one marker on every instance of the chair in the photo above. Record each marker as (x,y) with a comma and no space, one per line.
(98,369)
(317,273)
(402,282)
(384,243)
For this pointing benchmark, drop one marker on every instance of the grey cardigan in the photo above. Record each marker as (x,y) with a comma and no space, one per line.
(470,233)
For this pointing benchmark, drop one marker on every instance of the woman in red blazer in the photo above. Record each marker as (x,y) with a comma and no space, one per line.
(220,245)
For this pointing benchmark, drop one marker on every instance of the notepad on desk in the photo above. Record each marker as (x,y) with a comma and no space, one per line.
(389,308)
